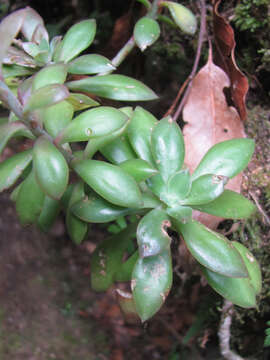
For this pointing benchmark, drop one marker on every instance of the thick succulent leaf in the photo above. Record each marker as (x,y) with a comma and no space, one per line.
(81,101)
(40,35)
(237,290)
(115,87)
(107,258)
(118,150)
(30,200)
(139,169)
(32,21)
(76,228)
(178,187)
(168,147)
(150,201)
(205,189)
(151,283)
(50,168)
(140,131)
(146,32)
(96,144)
(158,187)
(180,213)
(90,64)
(12,168)
(49,213)
(227,158)
(9,28)
(51,74)
(16,70)
(212,250)
(152,237)
(93,208)
(182,16)
(124,272)
(56,117)
(110,182)
(252,266)
(229,205)
(10,130)
(46,96)
(15,192)
(93,123)
(77,39)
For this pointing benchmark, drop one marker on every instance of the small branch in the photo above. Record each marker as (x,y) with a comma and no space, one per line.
(130,44)
(224,333)
(261,210)
(196,61)
(123,53)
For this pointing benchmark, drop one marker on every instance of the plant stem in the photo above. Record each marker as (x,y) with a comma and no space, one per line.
(196,61)
(130,44)
(224,332)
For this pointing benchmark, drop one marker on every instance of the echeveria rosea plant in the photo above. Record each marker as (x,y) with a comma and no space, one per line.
(142,183)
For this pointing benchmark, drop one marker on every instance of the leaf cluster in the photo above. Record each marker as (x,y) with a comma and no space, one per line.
(142,179)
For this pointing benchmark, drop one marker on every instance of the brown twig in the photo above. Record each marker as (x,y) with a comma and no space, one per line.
(172,107)
(196,61)
(261,210)
(224,332)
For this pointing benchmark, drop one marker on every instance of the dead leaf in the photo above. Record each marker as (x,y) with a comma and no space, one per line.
(121,33)
(224,57)
(209,120)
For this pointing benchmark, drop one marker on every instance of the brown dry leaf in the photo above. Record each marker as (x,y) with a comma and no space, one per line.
(224,57)
(209,120)
(121,33)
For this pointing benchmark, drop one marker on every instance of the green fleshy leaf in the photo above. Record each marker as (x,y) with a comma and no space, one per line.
(178,187)
(229,205)
(182,16)
(227,158)
(115,87)
(76,228)
(151,283)
(16,70)
(212,250)
(152,237)
(90,64)
(51,74)
(124,272)
(107,258)
(56,117)
(118,150)
(12,168)
(49,213)
(146,32)
(93,208)
(30,200)
(180,213)
(10,130)
(168,147)
(46,96)
(78,38)
(96,144)
(93,123)
(139,133)
(158,187)
(252,266)
(237,290)
(50,168)
(110,182)
(81,101)
(139,169)
(205,189)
